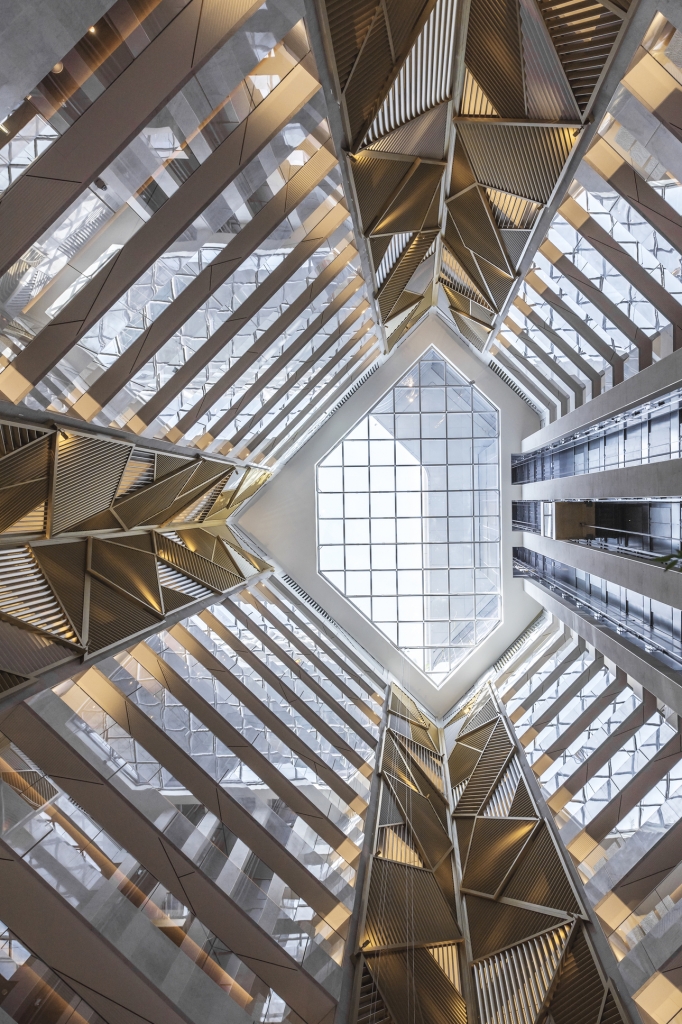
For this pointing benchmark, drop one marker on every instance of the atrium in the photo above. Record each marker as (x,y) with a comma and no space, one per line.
(341,512)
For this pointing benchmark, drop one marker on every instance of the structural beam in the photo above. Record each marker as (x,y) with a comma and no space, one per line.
(85,776)
(53,181)
(154,237)
(560,342)
(545,381)
(539,395)
(254,302)
(217,798)
(219,270)
(595,295)
(259,764)
(576,386)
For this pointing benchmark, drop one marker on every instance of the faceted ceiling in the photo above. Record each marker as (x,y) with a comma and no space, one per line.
(408,516)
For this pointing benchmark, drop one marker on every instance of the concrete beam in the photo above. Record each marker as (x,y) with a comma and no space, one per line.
(663,682)
(638,574)
(651,480)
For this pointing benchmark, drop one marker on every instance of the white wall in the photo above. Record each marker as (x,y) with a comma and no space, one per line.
(282,516)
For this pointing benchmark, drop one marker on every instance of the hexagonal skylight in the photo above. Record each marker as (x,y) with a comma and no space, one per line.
(408,516)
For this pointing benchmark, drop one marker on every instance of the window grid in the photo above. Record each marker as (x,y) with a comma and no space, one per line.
(408,516)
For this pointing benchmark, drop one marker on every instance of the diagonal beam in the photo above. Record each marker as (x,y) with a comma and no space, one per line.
(525,382)
(298,397)
(578,324)
(561,701)
(152,737)
(288,693)
(225,264)
(575,385)
(233,739)
(42,731)
(625,264)
(279,364)
(90,964)
(258,707)
(555,391)
(331,392)
(571,354)
(272,598)
(154,237)
(49,186)
(596,296)
(218,427)
(544,684)
(303,649)
(241,316)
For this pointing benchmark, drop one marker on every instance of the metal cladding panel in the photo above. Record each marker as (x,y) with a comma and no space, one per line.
(88,472)
(408,210)
(516,158)
(405,706)
(471,215)
(348,24)
(478,718)
(473,332)
(522,805)
(153,499)
(13,437)
(495,845)
(493,54)
(461,763)
(426,826)
(114,618)
(494,926)
(195,566)
(22,653)
(389,812)
(548,94)
(515,242)
(388,925)
(24,480)
(376,179)
(390,291)
(583,34)
(541,877)
(370,72)
(424,136)
(464,828)
(485,774)
(128,569)
(64,568)
(416,989)
(579,993)
(512,212)
(499,283)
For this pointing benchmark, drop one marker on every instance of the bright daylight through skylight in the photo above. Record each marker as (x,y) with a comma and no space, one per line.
(408,516)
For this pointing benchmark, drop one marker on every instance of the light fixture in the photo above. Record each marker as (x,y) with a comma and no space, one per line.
(92,30)
(58,68)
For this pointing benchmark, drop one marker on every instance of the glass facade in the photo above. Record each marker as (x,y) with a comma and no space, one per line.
(408,516)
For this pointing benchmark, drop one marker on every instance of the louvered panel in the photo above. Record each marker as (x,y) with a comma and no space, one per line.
(390,291)
(201,570)
(403,705)
(512,986)
(128,569)
(24,476)
(422,736)
(429,762)
(389,812)
(114,618)
(376,179)
(446,882)
(522,806)
(415,988)
(541,877)
(475,103)
(13,437)
(33,522)
(420,814)
(87,475)
(579,993)
(485,774)
(26,595)
(187,498)
(152,499)
(423,136)
(548,94)
(447,959)
(139,472)
(480,716)
(64,568)
(493,54)
(387,923)
(470,214)
(494,847)
(519,159)
(8,680)
(469,329)
(512,211)
(502,797)
(371,1007)
(395,843)
(368,77)
(407,211)
(515,242)
(348,24)
(394,763)
(23,653)
(165,464)
(610,1014)
(495,926)
(498,281)
(464,828)
(583,33)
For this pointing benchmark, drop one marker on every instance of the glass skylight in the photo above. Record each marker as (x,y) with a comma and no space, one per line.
(408,516)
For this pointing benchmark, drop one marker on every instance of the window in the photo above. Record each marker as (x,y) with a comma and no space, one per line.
(408,516)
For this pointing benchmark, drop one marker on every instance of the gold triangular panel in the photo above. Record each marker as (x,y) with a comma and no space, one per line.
(495,845)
